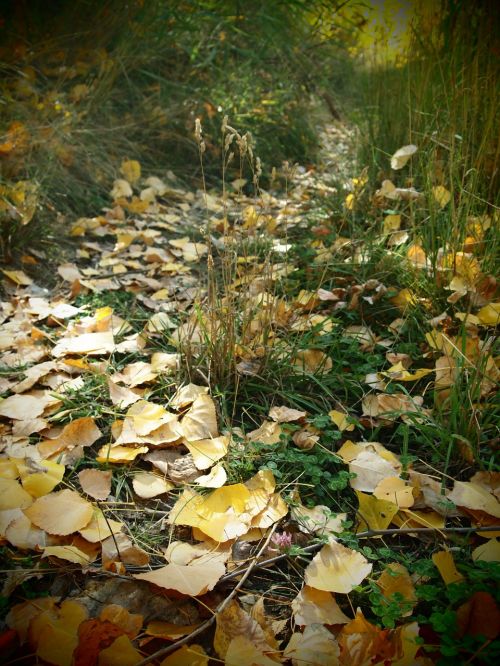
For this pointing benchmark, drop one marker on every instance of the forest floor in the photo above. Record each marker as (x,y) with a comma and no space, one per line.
(239,430)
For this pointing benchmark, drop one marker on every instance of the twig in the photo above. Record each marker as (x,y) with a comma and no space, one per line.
(366,535)
(205,625)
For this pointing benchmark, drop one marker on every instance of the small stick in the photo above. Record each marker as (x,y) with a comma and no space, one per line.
(366,535)
(186,639)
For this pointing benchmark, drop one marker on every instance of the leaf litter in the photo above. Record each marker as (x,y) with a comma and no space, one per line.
(79,474)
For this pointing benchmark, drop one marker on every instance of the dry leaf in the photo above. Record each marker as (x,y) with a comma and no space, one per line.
(286,414)
(402,155)
(336,569)
(395,579)
(95,483)
(120,653)
(316,645)
(242,651)
(100,527)
(374,513)
(206,452)
(191,579)
(312,606)
(200,422)
(187,655)
(147,484)
(61,513)
(127,553)
(445,564)
(233,621)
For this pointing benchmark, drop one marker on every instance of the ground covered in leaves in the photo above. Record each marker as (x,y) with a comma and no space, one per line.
(252,427)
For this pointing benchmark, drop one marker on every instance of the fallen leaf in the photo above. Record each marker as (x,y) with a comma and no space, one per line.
(402,155)
(131,170)
(200,421)
(100,527)
(54,635)
(130,623)
(216,478)
(187,655)
(394,489)
(69,553)
(61,513)
(312,606)
(479,616)
(336,569)
(206,452)
(489,551)
(191,579)
(13,495)
(316,645)
(120,653)
(233,621)
(395,579)
(473,496)
(242,651)
(374,513)
(120,548)
(286,414)
(148,484)
(441,195)
(445,564)
(95,483)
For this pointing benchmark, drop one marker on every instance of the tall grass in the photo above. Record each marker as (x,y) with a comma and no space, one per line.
(443,97)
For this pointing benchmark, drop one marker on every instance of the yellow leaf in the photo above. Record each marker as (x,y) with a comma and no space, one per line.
(476,497)
(131,170)
(315,645)
(391,223)
(404,299)
(13,495)
(69,553)
(206,452)
(394,489)
(41,482)
(100,527)
(268,433)
(441,195)
(119,454)
(242,651)
(55,635)
(399,373)
(286,414)
(148,484)
(340,420)
(374,513)
(200,422)
(337,569)
(395,579)
(19,277)
(22,534)
(234,496)
(18,406)
(87,343)
(80,432)
(60,513)
(190,579)
(216,478)
(187,655)
(131,623)
(120,653)
(313,606)
(445,564)
(489,551)
(489,315)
